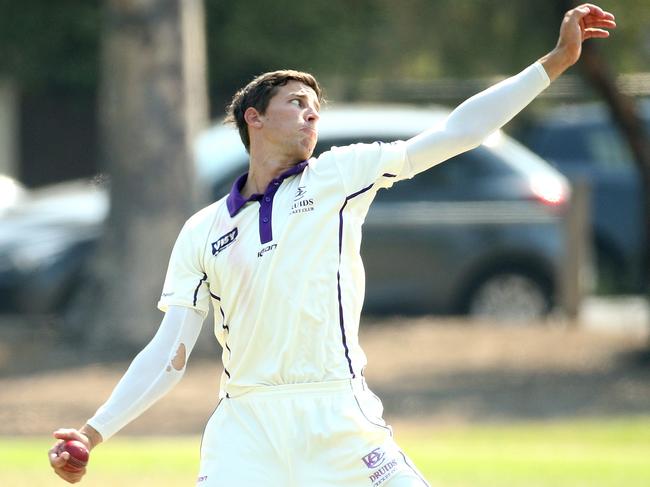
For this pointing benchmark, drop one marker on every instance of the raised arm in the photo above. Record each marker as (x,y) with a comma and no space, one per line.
(151,375)
(469,124)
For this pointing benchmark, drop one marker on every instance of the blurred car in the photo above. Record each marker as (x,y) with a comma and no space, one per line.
(11,193)
(479,234)
(583,143)
(45,239)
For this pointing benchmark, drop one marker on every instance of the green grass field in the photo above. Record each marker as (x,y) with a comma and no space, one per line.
(594,453)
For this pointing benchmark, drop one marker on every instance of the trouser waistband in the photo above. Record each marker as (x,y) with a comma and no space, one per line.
(331,386)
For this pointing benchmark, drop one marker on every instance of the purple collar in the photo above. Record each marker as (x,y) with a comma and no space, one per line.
(236,201)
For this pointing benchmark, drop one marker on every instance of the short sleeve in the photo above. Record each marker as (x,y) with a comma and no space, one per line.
(379,164)
(186,283)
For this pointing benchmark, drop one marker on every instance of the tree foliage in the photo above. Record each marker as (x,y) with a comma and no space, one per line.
(45,44)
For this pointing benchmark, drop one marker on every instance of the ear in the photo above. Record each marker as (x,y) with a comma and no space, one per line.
(253,118)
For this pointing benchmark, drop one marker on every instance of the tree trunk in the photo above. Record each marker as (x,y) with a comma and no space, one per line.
(148,116)
(625,114)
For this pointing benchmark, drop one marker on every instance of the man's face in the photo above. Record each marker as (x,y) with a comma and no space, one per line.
(290,122)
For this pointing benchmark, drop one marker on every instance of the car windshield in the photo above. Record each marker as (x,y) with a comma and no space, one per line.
(584,134)
(520,159)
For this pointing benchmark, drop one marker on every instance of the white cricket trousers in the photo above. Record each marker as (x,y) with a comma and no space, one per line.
(324,434)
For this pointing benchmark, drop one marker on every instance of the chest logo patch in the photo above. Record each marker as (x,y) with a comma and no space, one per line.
(375,458)
(224,241)
(302,204)
(300,193)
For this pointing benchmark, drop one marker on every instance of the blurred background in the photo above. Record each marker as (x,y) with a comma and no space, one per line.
(522,293)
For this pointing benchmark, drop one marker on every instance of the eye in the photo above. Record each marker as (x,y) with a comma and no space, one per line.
(297,102)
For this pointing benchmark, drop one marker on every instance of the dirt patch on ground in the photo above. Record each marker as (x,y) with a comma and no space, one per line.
(423,369)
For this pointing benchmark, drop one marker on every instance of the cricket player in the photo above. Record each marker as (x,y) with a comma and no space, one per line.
(278,260)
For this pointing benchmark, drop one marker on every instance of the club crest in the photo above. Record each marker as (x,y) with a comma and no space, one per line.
(375,458)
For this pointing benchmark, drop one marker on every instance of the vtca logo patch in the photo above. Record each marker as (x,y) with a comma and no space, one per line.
(224,241)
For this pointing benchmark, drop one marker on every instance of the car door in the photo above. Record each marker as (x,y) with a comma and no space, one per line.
(424,236)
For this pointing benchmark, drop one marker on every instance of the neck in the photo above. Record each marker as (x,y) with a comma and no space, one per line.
(262,171)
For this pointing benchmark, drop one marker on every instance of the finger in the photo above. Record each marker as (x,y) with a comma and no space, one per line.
(602,23)
(596,33)
(597,11)
(593,8)
(73,477)
(57,445)
(58,461)
(66,433)
(70,477)
(71,434)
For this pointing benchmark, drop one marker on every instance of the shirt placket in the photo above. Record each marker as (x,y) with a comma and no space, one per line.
(266,211)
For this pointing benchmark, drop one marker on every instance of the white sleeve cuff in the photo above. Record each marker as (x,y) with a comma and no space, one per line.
(543,74)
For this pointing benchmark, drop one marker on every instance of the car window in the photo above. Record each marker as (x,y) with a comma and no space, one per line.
(453,175)
(559,143)
(599,144)
(607,148)
(463,169)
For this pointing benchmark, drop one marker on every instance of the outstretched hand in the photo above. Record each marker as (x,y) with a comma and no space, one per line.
(584,22)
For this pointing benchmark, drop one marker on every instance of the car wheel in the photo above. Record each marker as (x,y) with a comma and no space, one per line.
(509,296)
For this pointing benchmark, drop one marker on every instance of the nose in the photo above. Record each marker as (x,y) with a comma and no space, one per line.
(312,115)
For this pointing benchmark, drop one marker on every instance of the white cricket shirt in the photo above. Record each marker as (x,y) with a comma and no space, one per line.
(283,270)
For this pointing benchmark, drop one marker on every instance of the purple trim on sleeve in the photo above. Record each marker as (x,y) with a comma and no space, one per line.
(225,327)
(223,315)
(196,291)
(338,277)
(235,201)
(229,351)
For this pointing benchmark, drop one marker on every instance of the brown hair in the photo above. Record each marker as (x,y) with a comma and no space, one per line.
(259,92)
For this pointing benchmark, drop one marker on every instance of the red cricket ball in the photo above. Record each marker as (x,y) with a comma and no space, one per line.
(79,455)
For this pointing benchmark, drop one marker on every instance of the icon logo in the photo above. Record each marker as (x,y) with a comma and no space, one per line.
(375,458)
(267,249)
(224,241)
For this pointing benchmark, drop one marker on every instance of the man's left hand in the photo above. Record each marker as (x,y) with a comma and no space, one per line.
(579,24)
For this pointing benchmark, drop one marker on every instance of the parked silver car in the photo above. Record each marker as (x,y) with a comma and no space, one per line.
(45,240)
(479,234)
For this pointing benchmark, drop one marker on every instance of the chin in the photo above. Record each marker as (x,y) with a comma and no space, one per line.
(305,153)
